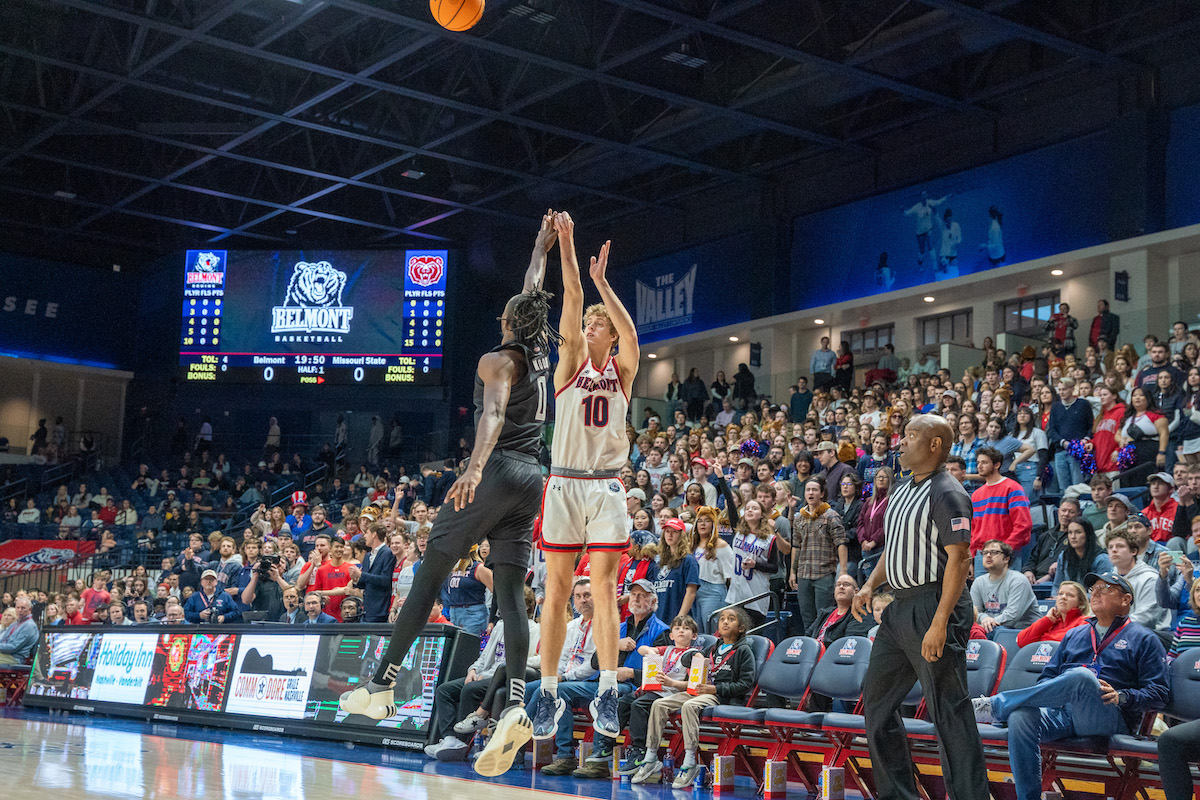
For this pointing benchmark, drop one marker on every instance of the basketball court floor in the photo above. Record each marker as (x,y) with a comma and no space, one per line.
(75,756)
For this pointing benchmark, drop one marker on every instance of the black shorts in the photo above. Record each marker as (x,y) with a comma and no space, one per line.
(507,501)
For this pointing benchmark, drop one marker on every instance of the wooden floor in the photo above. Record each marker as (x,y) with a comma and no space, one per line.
(45,757)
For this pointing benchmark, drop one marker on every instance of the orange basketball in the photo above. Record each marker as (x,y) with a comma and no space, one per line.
(456,15)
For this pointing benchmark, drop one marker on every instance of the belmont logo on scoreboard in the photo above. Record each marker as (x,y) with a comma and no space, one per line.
(313,305)
(666,303)
(272,676)
(205,271)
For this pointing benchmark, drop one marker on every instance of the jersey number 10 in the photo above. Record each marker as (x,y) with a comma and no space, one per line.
(595,411)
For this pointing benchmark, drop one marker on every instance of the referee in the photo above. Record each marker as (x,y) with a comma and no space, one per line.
(923,634)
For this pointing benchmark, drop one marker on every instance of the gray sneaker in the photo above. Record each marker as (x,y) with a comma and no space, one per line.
(473,723)
(452,749)
(549,711)
(983,710)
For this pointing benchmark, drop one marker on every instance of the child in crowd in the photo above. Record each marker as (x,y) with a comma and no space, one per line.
(674,675)
(878,603)
(731,672)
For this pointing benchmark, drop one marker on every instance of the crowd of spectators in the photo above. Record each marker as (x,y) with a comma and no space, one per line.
(1081,460)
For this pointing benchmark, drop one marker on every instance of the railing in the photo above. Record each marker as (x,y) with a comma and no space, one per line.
(780,631)
(17,489)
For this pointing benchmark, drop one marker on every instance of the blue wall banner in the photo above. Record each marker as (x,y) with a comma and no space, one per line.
(689,291)
(65,312)
(1183,164)
(1053,200)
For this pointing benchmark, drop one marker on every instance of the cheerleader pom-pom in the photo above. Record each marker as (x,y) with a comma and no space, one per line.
(1125,457)
(751,449)
(1048,475)
(1087,461)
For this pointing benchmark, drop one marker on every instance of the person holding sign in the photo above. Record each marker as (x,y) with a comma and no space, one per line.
(724,675)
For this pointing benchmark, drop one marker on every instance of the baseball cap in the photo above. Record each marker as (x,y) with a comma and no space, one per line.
(1162,476)
(698,461)
(1140,517)
(674,523)
(826,447)
(644,584)
(300,499)
(636,493)
(1111,578)
(1120,498)
(747,461)
(208,573)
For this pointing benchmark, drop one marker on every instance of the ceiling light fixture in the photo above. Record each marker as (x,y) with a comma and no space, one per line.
(652,355)
(532,14)
(413,174)
(733,338)
(1056,272)
(819,321)
(684,58)
(928,298)
(65,195)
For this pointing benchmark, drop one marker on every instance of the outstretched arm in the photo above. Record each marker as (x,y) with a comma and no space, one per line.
(496,370)
(570,326)
(627,350)
(536,274)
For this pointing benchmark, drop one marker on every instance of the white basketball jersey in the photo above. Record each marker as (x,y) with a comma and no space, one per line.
(589,420)
(747,582)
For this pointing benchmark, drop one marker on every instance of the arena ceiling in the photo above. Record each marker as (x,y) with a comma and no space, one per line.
(135,127)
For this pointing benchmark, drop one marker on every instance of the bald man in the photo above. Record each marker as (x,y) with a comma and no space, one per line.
(923,635)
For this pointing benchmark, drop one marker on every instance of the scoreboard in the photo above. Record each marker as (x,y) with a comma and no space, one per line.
(314,317)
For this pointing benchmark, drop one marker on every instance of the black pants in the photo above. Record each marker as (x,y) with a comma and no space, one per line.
(1177,748)
(896,663)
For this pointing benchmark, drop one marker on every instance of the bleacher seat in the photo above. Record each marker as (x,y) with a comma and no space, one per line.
(1007,638)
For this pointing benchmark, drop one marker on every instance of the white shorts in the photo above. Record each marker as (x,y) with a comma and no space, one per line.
(584,513)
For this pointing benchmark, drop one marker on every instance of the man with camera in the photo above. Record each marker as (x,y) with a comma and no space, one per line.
(208,605)
(264,591)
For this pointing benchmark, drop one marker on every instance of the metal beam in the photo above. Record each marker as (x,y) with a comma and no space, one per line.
(218,16)
(160,182)
(226,150)
(412,94)
(751,121)
(794,54)
(1030,33)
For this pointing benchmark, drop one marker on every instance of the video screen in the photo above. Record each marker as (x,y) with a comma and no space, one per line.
(347,662)
(287,675)
(314,317)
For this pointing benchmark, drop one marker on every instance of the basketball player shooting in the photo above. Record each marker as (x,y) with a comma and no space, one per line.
(584,503)
(497,498)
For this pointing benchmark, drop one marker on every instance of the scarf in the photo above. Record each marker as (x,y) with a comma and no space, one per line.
(821,509)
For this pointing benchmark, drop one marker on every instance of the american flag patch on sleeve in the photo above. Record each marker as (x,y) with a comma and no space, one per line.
(960,524)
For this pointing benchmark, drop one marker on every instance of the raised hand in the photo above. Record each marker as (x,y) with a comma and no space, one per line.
(547,235)
(564,226)
(600,264)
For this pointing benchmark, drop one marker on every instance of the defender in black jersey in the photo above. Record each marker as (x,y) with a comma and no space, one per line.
(496,498)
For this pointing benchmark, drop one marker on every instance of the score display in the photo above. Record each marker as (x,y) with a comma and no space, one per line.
(314,317)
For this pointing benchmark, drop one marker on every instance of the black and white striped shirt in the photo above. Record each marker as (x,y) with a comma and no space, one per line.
(920,521)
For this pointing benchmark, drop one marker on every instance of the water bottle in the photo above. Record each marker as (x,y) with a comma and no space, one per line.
(668,770)
(701,775)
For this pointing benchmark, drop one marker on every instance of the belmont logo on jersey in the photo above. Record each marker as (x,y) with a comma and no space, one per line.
(313,304)
(597,384)
(426,270)
(669,302)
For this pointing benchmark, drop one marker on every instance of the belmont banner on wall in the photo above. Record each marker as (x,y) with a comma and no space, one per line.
(704,287)
(1049,201)
(25,556)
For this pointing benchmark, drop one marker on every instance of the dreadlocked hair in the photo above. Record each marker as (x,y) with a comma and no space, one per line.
(530,320)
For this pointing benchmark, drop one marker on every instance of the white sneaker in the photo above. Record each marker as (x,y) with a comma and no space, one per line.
(686,776)
(453,749)
(513,731)
(377,705)
(650,772)
(983,710)
(473,723)
(431,750)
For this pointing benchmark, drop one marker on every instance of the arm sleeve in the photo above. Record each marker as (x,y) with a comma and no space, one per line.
(1170,588)
(1155,689)
(232,612)
(770,564)
(1052,433)
(1019,599)
(730,502)
(1018,512)
(952,515)
(691,572)
(1034,632)
(380,580)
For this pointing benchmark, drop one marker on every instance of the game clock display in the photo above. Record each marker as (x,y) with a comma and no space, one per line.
(314,317)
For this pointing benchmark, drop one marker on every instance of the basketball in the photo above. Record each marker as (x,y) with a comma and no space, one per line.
(456,15)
